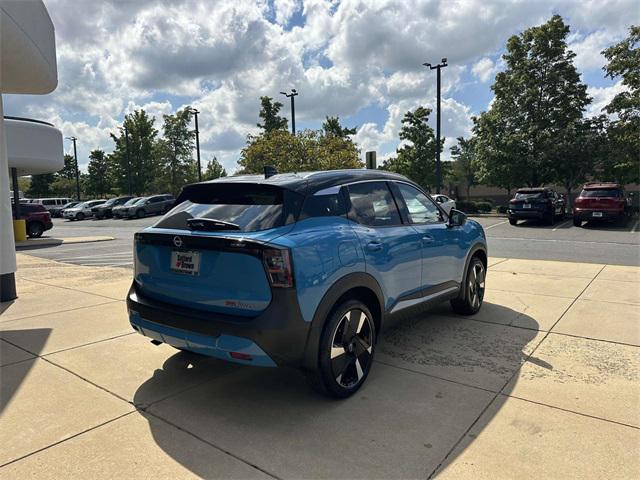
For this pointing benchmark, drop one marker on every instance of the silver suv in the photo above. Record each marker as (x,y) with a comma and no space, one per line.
(153,205)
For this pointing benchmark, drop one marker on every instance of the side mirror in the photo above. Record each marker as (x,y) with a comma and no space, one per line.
(456,218)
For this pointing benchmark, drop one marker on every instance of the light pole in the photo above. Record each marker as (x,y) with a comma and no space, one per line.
(438,169)
(75,156)
(293,108)
(126,142)
(195,115)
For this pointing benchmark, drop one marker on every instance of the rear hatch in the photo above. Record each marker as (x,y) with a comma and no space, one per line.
(211,252)
(605,199)
(529,200)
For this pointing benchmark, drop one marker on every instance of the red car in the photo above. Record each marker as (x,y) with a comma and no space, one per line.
(37,217)
(601,201)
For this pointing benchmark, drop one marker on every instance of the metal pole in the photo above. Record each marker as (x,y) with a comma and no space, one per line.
(16,193)
(438,171)
(75,156)
(195,114)
(293,114)
(126,140)
(438,164)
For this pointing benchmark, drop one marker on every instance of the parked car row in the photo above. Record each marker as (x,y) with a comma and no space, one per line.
(597,201)
(120,207)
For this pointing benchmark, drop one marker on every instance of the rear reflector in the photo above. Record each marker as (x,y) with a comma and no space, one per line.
(278,265)
(240,356)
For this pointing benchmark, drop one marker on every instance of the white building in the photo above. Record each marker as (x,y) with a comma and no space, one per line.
(27,66)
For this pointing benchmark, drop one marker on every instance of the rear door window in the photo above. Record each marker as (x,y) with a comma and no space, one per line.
(373,205)
(251,207)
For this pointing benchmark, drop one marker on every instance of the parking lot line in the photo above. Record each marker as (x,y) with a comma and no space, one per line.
(496,224)
(561,225)
(97,256)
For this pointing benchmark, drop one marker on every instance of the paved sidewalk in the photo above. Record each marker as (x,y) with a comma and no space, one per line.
(543,383)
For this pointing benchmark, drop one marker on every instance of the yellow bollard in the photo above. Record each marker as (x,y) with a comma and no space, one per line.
(19,230)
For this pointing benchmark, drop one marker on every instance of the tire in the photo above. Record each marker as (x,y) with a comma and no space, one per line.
(472,294)
(551,219)
(347,347)
(80,216)
(513,221)
(140,213)
(577,222)
(35,229)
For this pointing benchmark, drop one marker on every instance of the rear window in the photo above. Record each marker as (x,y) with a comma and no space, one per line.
(529,195)
(602,192)
(251,207)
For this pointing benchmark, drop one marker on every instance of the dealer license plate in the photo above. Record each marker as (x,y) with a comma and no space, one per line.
(596,214)
(185,262)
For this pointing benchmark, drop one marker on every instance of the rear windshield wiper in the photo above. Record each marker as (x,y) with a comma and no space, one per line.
(210,224)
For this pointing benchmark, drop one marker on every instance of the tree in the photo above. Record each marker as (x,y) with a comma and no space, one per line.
(40,185)
(69,169)
(500,158)
(537,98)
(308,150)
(214,170)
(99,179)
(175,151)
(269,114)
(581,147)
(143,169)
(464,168)
(416,159)
(331,127)
(623,160)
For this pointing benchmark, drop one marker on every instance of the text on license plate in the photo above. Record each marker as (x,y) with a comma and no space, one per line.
(526,205)
(597,214)
(187,262)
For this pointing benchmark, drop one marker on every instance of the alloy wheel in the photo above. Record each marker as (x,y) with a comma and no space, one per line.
(476,285)
(352,348)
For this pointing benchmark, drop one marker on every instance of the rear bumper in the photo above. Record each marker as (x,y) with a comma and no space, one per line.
(276,337)
(525,214)
(588,214)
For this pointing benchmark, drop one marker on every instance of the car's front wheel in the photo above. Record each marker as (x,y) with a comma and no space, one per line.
(513,221)
(346,350)
(80,216)
(140,213)
(472,291)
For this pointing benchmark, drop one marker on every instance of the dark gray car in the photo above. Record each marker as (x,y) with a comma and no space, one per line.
(153,205)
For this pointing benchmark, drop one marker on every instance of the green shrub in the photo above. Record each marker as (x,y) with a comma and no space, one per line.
(502,209)
(467,207)
(484,207)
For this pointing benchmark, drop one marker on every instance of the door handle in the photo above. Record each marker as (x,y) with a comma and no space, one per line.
(427,239)
(374,246)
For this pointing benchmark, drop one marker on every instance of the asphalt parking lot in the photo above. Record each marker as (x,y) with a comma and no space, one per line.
(602,243)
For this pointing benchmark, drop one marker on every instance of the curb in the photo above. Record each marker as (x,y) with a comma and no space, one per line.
(46,242)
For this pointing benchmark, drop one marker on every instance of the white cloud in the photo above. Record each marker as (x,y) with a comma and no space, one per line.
(484,69)
(284,10)
(602,96)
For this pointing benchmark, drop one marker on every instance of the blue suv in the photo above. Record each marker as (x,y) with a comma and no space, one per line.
(302,269)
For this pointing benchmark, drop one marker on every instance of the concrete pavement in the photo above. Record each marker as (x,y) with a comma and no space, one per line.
(543,383)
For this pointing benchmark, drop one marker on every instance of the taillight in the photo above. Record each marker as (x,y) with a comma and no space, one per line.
(278,265)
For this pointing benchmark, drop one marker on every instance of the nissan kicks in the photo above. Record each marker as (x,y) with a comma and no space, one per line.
(302,269)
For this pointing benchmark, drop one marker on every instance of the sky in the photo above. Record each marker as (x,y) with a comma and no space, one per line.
(359,60)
